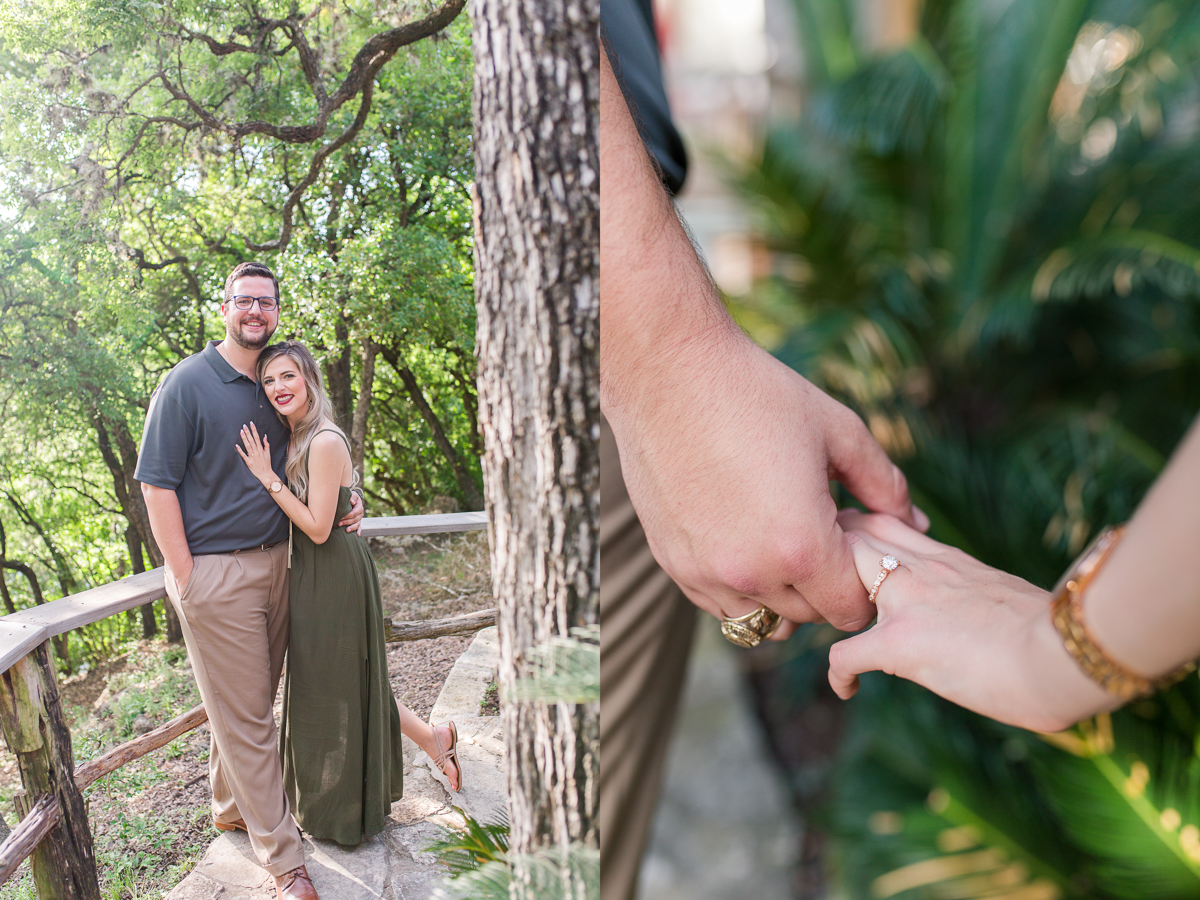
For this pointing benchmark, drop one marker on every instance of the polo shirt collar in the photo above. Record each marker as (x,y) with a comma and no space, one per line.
(224,370)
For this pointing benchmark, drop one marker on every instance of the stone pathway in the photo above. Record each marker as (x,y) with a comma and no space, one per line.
(725,829)
(392,865)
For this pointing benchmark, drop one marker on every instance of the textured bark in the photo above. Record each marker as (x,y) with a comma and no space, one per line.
(118,756)
(337,370)
(397,632)
(138,563)
(362,406)
(120,453)
(4,592)
(537,298)
(28,834)
(64,864)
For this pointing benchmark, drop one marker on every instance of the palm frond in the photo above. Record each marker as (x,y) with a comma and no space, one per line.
(472,846)
(548,874)
(1131,803)
(560,670)
(887,106)
(987,245)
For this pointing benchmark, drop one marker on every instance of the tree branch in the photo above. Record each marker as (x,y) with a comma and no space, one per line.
(314,169)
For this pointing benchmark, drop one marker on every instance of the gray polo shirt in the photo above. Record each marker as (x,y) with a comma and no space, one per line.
(192,426)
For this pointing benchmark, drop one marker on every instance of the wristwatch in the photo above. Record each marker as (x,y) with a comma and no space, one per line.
(275,486)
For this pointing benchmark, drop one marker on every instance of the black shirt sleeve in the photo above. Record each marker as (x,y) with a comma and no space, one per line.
(167,440)
(633,52)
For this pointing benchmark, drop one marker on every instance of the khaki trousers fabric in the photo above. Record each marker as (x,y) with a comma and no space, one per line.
(234,615)
(646,626)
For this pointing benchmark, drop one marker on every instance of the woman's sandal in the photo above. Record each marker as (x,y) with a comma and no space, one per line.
(451,753)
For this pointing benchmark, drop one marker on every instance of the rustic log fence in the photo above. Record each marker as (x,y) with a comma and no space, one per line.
(53,832)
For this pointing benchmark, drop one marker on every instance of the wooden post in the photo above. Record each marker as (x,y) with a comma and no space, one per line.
(64,864)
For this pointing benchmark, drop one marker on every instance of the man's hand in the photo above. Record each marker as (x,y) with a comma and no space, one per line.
(166,523)
(353,519)
(726,452)
(728,460)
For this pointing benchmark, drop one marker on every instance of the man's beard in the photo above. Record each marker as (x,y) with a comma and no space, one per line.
(246,343)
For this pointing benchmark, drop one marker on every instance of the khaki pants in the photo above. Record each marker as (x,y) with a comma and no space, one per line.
(234,614)
(646,626)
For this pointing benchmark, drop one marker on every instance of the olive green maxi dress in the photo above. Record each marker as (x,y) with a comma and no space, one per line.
(340,733)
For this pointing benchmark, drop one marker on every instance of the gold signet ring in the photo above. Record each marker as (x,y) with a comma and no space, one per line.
(751,629)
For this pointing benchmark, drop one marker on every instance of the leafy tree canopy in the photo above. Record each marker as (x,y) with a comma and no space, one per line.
(148,147)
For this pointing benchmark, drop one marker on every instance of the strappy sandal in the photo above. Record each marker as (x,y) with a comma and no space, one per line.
(448,754)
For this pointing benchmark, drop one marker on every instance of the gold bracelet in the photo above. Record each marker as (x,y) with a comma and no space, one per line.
(1067,613)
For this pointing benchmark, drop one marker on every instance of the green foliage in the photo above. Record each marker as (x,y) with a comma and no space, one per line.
(474,845)
(560,670)
(987,243)
(482,869)
(141,851)
(138,165)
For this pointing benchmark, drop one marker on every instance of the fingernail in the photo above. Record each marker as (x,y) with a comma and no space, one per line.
(920,518)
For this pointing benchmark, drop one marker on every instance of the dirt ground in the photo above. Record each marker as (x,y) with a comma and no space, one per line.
(158,806)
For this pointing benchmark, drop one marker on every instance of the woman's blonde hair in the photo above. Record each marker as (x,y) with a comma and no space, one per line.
(319,409)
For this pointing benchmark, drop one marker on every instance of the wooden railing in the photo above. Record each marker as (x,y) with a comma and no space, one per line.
(53,832)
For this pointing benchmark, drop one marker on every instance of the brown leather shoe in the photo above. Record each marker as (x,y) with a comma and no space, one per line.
(239,825)
(295,885)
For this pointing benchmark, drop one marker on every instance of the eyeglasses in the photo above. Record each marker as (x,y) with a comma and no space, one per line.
(266,304)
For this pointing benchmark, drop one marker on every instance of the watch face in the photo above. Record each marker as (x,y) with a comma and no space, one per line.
(1091,556)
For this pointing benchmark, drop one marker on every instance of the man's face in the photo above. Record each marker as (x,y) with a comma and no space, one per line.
(250,328)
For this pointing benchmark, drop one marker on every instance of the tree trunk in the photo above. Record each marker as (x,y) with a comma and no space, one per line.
(536,291)
(122,463)
(9,606)
(29,574)
(466,483)
(138,563)
(337,369)
(467,390)
(362,407)
(66,581)
(136,510)
(4,592)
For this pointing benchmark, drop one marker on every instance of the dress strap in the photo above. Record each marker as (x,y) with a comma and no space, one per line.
(308,449)
(334,431)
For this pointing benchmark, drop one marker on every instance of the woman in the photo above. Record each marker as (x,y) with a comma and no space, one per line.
(341,726)
(1124,622)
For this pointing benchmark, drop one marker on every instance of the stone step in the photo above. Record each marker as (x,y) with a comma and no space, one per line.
(393,863)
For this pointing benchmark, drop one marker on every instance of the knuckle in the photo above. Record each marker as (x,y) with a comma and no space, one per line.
(738,573)
(798,561)
(851,621)
(853,428)
(837,655)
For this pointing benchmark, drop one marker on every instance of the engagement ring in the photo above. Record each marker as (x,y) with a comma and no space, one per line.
(889,564)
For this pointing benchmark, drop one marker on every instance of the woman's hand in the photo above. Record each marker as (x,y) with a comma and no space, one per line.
(257,455)
(973,634)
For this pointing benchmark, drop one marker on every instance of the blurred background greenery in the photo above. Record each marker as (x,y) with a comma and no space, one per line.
(145,149)
(983,236)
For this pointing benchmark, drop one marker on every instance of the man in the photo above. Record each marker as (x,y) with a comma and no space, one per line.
(726,455)
(225,544)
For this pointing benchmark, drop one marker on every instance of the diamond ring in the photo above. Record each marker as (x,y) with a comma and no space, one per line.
(889,564)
